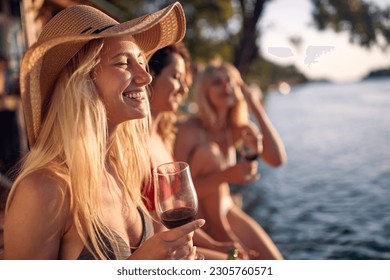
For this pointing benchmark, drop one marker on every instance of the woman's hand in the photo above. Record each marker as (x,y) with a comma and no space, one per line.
(225,247)
(252,144)
(171,244)
(252,93)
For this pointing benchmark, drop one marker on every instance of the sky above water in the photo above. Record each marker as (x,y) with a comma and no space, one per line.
(321,55)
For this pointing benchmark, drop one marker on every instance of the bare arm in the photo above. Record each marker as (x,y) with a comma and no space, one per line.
(274,152)
(35,219)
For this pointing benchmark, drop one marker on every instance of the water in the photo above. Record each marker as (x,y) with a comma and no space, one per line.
(332,198)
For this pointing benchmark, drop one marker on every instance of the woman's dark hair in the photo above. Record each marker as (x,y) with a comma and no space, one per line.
(161,58)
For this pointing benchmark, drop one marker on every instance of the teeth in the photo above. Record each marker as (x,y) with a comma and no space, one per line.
(136,95)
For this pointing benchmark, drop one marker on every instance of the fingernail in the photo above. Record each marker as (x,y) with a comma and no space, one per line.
(201,222)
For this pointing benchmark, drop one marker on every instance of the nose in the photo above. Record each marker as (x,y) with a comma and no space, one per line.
(227,85)
(183,87)
(141,76)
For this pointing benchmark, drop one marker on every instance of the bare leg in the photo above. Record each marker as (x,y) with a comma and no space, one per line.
(252,235)
(211,206)
(224,220)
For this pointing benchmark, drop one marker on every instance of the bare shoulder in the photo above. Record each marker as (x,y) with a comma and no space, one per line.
(190,125)
(44,184)
(188,137)
(41,191)
(36,217)
(190,131)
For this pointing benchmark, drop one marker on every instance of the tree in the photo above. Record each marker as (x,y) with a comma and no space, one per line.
(366,23)
(229,29)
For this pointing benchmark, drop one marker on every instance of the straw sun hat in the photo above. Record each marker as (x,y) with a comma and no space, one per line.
(67,32)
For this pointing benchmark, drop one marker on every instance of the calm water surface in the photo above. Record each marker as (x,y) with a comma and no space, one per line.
(332,198)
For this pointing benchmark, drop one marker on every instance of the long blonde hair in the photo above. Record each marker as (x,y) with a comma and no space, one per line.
(238,114)
(73,144)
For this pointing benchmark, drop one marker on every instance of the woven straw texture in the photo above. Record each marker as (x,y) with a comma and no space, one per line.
(66,33)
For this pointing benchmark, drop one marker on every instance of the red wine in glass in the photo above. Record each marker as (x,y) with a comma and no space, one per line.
(178,216)
(249,147)
(175,196)
(250,157)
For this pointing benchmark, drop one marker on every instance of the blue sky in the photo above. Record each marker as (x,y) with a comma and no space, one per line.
(340,61)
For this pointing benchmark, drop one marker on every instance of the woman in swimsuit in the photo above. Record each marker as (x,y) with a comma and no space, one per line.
(78,194)
(208,143)
(171,76)
(170,68)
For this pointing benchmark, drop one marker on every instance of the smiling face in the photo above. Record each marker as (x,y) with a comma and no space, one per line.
(121,80)
(220,90)
(169,86)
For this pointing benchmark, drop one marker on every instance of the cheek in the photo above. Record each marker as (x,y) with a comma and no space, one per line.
(164,85)
(162,89)
(99,79)
(111,83)
(212,94)
(103,91)
(214,91)
(214,100)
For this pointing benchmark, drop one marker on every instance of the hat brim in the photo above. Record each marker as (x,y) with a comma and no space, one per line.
(43,61)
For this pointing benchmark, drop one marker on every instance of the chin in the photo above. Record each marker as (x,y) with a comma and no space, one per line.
(230,101)
(138,115)
(141,116)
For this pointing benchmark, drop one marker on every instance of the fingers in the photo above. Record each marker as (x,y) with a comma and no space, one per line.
(252,140)
(171,244)
(251,171)
(251,178)
(254,255)
(182,251)
(250,167)
(244,88)
(180,240)
(180,232)
(253,168)
(192,255)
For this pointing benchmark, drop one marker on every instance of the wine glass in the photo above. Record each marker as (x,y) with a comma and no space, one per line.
(251,146)
(175,196)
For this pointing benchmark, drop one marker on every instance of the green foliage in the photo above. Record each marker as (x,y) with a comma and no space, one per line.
(229,29)
(364,21)
(265,74)
(207,33)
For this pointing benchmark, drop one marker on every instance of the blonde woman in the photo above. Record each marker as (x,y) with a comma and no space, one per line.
(78,195)
(208,141)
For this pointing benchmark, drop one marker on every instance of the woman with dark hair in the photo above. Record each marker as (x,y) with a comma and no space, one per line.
(170,68)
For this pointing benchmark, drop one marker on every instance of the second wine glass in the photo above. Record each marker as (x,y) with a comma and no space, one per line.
(251,146)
